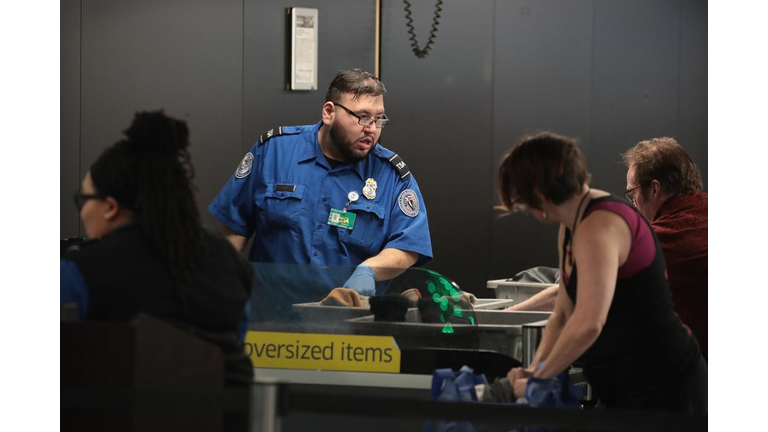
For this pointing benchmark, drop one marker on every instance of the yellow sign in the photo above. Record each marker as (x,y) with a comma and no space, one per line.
(323,351)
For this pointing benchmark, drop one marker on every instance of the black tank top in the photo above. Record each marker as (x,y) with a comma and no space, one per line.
(643,339)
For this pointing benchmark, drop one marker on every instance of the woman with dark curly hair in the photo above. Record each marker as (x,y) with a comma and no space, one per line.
(148,252)
(613,305)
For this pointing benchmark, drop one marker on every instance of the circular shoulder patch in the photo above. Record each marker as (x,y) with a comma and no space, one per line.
(245,166)
(408,202)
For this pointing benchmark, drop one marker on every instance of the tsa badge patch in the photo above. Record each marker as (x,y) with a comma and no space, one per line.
(409,202)
(245,166)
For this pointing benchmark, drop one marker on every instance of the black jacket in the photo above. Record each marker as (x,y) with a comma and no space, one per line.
(125,274)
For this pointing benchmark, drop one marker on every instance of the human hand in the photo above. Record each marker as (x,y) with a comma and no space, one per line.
(517,373)
(518,387)
(517,378)
(362,280)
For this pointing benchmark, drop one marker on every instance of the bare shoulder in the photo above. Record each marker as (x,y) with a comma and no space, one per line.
(603,222)
(603,232)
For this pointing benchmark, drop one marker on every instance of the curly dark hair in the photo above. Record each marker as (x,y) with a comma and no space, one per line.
(150,173)
(545,163)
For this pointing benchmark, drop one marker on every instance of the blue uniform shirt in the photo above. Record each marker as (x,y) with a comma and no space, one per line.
(283,193)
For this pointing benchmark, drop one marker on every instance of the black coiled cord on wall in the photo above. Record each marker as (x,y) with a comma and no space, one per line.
(421,53)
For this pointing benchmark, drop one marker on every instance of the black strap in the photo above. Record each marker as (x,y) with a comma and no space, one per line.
(566,239)
(269,134)
(400,166)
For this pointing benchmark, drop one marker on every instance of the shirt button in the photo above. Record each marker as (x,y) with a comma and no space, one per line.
(315,254)
(319,226)
(325,199)
(282,194)
(367,207)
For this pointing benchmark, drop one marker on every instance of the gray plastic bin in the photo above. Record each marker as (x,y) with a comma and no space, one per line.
(516,291)
(495,330)
(320,314)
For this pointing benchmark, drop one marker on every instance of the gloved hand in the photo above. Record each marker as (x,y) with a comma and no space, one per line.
(363,280)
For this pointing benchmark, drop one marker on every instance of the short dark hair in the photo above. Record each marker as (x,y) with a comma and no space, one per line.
(547,163)
(663,159)
(356,81)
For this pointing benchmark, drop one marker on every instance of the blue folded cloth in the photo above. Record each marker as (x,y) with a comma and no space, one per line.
(553,393)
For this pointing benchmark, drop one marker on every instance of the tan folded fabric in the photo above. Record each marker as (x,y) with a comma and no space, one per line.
(413,295)
(469,297)
(342,297)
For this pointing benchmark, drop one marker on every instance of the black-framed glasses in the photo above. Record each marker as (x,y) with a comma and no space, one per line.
(366,121)
(80,199)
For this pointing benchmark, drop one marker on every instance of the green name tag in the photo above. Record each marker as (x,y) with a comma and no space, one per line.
(341,219)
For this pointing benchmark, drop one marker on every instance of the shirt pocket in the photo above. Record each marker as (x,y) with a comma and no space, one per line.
(369,232)
(283,203)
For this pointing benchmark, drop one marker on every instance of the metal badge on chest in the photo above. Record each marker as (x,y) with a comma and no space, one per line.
(342,218)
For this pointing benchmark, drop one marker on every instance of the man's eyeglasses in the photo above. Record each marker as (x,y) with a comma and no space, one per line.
(81,198)
(630,194)
(366,121)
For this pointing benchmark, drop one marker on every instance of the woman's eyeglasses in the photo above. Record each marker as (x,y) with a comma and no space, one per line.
(81,198)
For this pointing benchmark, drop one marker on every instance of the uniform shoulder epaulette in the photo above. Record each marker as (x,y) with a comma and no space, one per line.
(400,166)
(280,130)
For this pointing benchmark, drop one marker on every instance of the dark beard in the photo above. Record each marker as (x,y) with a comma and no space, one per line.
(345,147)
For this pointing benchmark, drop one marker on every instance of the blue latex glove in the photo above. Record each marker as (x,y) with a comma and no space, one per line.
(363,280)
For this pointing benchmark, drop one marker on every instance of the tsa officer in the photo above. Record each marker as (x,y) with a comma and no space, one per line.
(325,200)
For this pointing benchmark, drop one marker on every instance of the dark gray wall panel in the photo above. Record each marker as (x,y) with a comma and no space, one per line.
(442,117)
(635,81)
(610,72)
(543,67)
(182,56)
(692,133)
(346,34)
(69,174)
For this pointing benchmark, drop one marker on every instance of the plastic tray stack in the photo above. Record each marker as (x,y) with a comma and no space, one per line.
(494,330)
(324,315)
(516,291)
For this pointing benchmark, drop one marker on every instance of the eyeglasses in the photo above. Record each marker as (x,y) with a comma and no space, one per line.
(629,194)
(81,198)
(366,121)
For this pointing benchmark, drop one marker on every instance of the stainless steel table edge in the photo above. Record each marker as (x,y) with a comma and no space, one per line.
(345,378)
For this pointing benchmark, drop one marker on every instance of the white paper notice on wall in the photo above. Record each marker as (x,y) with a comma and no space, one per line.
(303,44)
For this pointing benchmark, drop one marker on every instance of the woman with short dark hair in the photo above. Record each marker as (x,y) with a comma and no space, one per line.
(613,305)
